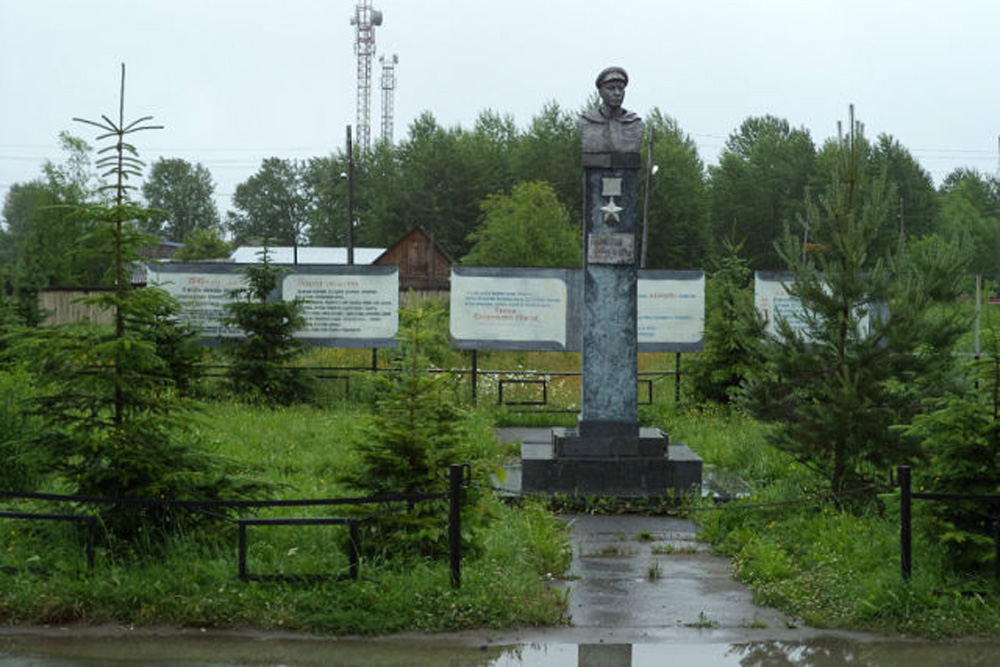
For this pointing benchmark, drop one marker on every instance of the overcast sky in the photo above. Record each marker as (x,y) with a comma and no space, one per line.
(235,81)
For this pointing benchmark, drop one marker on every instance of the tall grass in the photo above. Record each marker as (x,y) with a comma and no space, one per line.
(830,566)
(191,581)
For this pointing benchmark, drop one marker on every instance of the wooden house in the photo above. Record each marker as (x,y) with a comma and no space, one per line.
(424,266)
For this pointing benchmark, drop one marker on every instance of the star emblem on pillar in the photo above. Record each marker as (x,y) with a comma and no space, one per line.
(611,211)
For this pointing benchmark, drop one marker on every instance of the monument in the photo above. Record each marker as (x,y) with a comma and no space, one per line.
(608,453)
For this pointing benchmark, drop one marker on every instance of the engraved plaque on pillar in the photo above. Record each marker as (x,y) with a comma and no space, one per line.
(615,249)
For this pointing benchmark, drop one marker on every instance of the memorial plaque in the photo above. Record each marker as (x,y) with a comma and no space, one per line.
(615,249)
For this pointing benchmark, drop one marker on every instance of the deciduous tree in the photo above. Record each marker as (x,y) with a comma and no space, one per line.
(273,204)
(679,233)
(528,227)
(758,186)
(185,192)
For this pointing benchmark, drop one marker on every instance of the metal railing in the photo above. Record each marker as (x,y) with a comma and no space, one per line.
(459,478)
(907,496)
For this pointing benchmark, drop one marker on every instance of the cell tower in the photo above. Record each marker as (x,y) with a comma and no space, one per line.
(365,20)
(388,92)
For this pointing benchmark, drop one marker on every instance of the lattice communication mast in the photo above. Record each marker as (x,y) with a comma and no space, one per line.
(365,20)
(388,92)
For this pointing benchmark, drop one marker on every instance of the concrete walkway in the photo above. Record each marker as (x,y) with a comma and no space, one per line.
(647,578)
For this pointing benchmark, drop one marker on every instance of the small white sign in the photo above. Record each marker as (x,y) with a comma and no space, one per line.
(203,298)
(345,306)
(671,311)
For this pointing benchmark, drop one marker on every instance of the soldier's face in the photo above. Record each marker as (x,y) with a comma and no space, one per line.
(613,93)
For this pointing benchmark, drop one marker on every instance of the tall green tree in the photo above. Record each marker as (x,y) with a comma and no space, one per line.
(916,198)
(185,192)
(878,336)
(970,213)
(272,204)
(549,150)
(326,186)
(528,227)
(759,186)
(679,233)
(47,242)
(438,186)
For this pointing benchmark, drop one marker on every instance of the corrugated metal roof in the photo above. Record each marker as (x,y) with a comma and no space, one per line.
(306,255)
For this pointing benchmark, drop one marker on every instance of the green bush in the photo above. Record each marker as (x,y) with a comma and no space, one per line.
(261,367)
(416,431)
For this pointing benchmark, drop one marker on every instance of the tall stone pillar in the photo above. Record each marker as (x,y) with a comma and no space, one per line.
(609,397)
(608,453)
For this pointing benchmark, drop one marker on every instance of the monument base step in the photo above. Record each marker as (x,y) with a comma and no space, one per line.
(646,442)
(678,472)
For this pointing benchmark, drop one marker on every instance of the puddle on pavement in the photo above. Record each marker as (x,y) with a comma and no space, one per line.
(61,651)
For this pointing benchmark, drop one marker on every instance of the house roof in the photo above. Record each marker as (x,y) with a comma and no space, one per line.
(306,255)
(418,231)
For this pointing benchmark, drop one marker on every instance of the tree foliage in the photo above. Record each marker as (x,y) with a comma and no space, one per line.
(679,232)
(528,227)
(185,192)
(416,431)
(112,423)
(970,214)
(733,331)
(261,363)
(202,244)
(877,339)
(272,205)
(759,185)
(960,453)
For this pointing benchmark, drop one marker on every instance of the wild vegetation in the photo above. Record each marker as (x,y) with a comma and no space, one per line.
(814,419)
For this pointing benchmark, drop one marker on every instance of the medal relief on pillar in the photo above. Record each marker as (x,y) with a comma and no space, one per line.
(611,188)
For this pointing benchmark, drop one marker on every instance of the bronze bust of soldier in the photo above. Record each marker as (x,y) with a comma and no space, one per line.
(610,129)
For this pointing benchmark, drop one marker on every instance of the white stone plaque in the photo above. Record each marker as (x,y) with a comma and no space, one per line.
(203,298)
(492,308)
(345,306)
(671,311)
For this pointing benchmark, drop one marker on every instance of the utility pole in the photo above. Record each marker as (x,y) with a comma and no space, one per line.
(350,199)
(650,170)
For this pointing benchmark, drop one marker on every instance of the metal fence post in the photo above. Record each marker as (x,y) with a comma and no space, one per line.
(455,478)
(243,551)
(677,378)
(475,373)
(905,525)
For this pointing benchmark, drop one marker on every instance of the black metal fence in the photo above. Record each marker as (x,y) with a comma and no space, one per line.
(510,384)
(459,479)
(907,496)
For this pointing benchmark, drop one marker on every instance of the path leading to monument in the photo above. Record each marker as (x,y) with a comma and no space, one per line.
(647,578)
(634,577)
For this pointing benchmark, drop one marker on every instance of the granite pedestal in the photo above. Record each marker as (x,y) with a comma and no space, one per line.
(647,465)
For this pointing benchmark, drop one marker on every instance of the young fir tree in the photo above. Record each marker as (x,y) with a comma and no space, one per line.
(114,424)
(960,440)
(733,330)
(261,363)
(877,338)
(416,431)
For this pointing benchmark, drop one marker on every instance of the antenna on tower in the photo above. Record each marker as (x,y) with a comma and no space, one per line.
(388,92)
(365,20)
